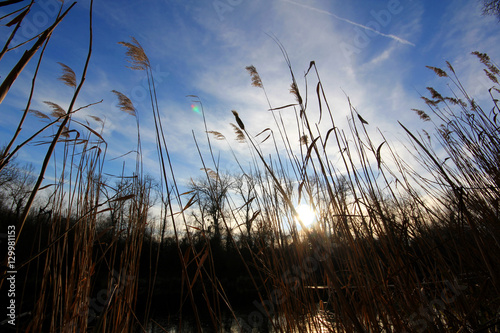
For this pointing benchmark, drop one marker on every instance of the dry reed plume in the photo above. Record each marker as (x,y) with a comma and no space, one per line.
(398,245)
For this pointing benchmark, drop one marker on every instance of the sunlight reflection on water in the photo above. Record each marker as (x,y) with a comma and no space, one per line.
(319,322)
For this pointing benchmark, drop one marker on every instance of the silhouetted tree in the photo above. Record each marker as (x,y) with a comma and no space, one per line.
(211,194)
(16,183)
(244,185)
(117,197)
(122,189)
(491,7)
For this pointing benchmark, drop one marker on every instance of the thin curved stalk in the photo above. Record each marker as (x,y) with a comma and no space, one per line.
(59,131)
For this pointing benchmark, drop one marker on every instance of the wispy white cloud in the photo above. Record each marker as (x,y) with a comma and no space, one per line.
(206,56)
(396,38)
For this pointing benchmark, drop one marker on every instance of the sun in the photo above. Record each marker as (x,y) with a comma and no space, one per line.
(306,215)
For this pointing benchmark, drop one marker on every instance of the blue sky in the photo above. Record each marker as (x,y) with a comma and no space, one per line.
(373,51)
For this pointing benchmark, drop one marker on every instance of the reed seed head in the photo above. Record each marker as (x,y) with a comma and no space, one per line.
(124,103)
(491,76)
(240,136)
(238,120)
(217,135)
(294,90)
(68,76)
(136,55)
(39,114)
(304,139)
(437,96)
(256,81)
(439,72)
(57,111)
(424,116)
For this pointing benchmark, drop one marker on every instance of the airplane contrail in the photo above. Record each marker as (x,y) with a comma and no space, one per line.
(396,38)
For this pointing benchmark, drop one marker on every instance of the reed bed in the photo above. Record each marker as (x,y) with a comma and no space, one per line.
(397,246)
(409,250)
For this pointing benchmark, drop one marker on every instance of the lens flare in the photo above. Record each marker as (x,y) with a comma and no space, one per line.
(195,108)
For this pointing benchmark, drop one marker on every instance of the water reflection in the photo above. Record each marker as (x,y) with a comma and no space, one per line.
(317,322)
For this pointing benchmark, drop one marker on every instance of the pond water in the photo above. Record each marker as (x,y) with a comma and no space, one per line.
(247,321)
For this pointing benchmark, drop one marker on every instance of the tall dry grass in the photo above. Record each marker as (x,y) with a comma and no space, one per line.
(62,271)
(411,248)
(397,246)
